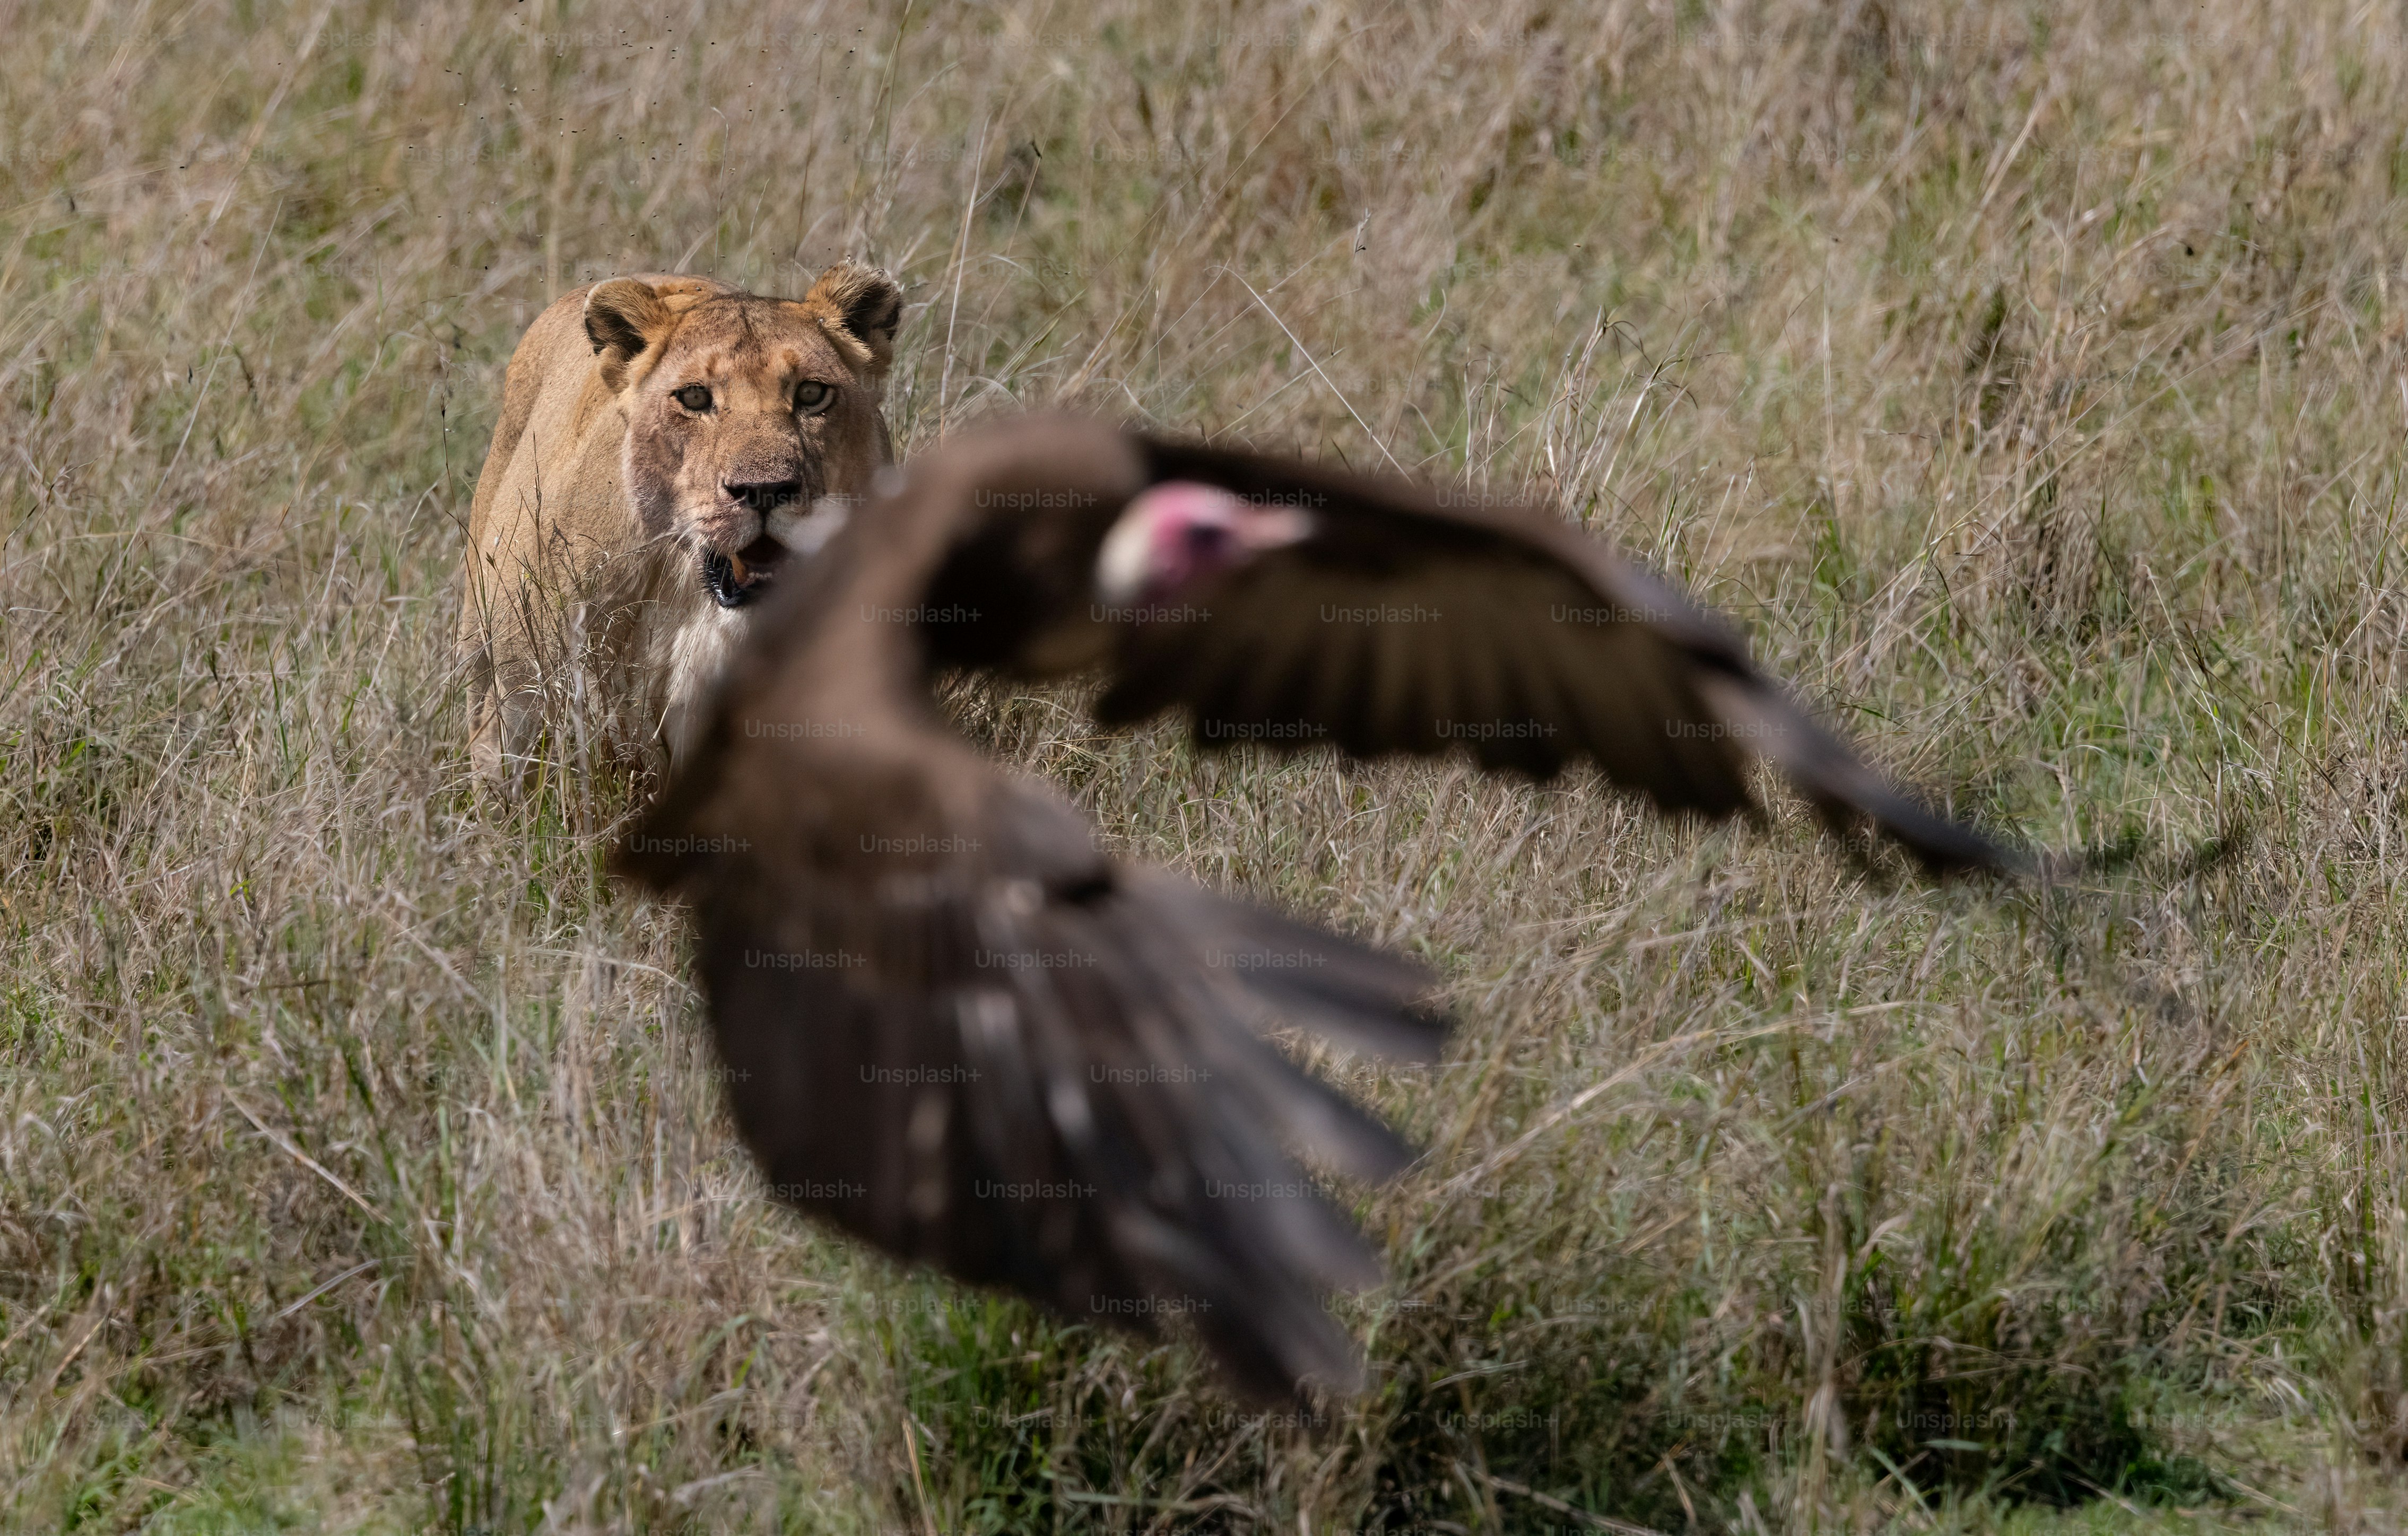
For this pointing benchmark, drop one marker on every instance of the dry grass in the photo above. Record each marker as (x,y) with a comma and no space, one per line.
(2031,378)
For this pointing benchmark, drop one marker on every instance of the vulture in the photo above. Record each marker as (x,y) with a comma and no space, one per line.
(954,1027)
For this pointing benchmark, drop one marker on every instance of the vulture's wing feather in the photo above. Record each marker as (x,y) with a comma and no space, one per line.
(969,1038)
(1410,620)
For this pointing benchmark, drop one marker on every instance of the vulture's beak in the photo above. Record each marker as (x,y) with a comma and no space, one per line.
(1175,534)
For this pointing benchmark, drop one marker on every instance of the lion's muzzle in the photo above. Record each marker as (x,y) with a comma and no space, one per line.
(735,577)
(734,580)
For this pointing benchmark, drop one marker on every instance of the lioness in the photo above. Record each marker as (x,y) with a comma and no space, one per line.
(658,436)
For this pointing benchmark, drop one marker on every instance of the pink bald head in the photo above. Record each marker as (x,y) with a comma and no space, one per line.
(1175,534)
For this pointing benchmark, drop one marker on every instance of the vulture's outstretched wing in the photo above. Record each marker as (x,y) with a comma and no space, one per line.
(1378,616)
(956,1028)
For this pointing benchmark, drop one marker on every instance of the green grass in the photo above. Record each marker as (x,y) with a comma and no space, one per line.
(2028,379)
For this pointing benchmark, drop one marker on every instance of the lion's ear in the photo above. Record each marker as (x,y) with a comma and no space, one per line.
(622,316)
(859,306)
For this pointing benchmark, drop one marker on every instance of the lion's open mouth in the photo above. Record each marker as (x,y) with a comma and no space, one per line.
(734,580)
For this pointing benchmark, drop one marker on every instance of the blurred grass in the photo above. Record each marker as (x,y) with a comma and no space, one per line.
(2030,377)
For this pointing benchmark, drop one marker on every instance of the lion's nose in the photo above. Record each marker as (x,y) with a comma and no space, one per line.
(764,496)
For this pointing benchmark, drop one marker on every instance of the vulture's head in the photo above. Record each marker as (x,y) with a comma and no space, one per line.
(1174,537)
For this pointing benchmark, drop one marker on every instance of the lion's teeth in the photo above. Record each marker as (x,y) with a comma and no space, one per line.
(736,563)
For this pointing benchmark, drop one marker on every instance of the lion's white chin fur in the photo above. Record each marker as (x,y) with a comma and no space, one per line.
(695,642)
(696,649)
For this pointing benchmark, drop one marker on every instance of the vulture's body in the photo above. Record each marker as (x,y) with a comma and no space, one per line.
(957,1029)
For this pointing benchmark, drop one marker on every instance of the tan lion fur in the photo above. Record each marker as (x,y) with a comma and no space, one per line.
(600,495)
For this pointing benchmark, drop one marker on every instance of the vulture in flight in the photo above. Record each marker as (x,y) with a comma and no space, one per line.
(955,1028)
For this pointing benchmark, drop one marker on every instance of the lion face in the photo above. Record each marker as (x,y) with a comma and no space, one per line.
(743,411)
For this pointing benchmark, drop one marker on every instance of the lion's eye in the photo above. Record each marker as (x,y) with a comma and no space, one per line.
(810,394)
(694,397)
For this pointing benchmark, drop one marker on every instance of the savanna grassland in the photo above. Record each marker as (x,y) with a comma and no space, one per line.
(2032,379)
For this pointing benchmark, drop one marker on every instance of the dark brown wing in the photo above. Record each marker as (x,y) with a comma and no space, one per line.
(951,1028)
(1417,620)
